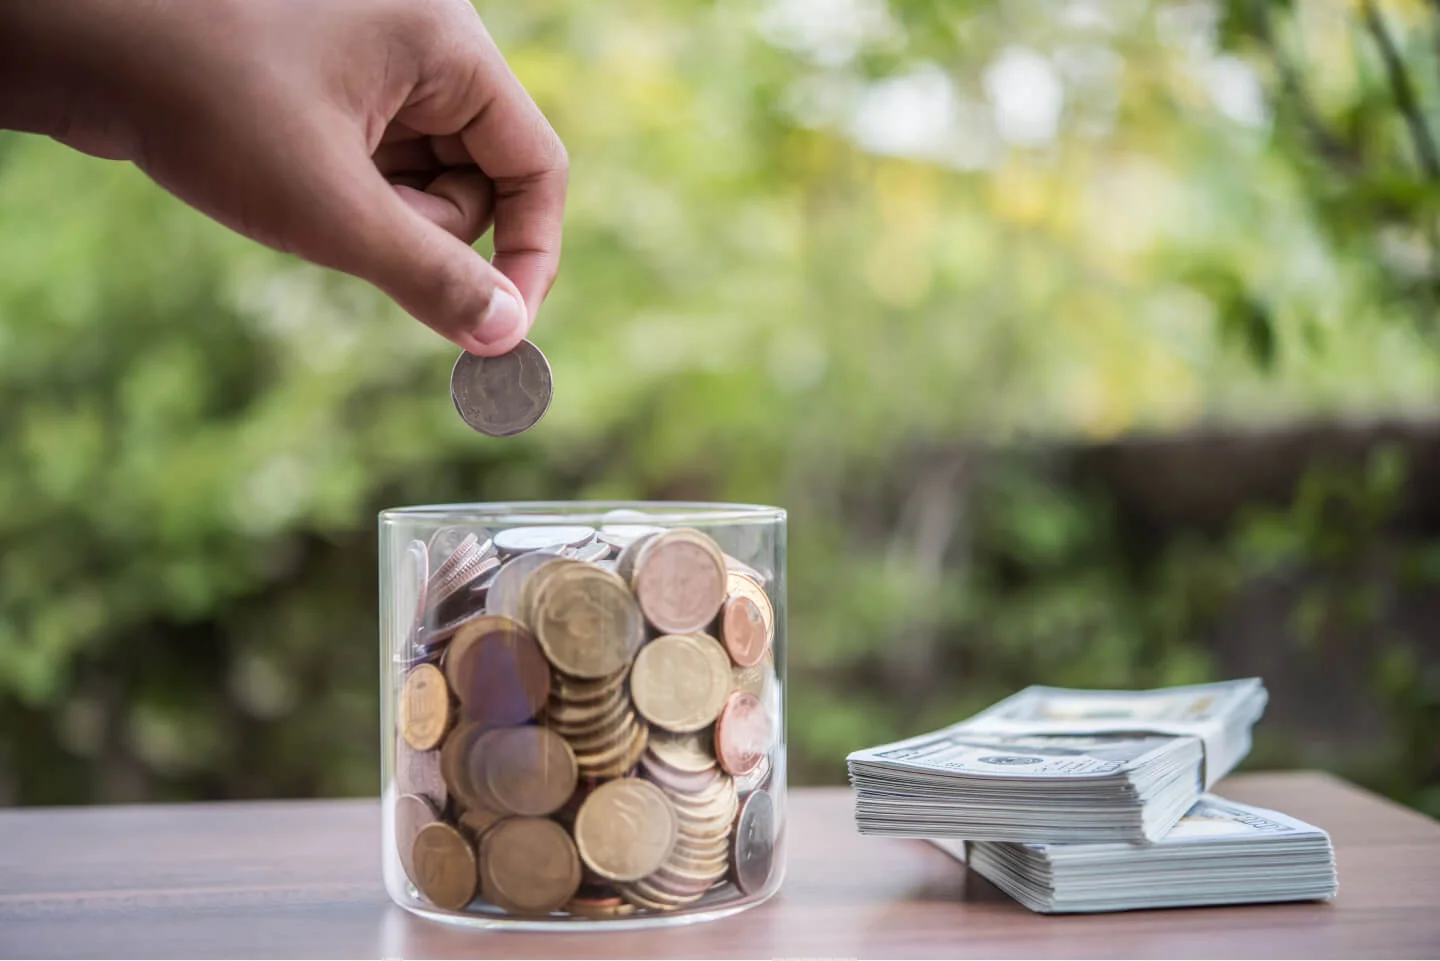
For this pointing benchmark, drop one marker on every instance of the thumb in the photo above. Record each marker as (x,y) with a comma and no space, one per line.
(437,278)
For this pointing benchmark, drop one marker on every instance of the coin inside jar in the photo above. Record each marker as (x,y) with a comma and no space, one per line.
(679,580)
(498,672)
(529,866)
(527,770)
(753,854)
(504,595)
(424,707)
(744,631)
(587,622)
(743,733)
(625,829)
(445,869)
(412,812)
(502,396)
(680,681)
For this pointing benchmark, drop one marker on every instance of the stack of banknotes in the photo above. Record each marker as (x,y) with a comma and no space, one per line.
(1095,800)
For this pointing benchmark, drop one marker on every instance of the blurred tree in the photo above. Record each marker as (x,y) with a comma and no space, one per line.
(816,251)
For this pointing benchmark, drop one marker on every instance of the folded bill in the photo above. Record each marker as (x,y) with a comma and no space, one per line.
(1221,852)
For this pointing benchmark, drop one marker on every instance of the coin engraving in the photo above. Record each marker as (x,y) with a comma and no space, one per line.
(445,868)
(502,396)
(625,829)
(424,707)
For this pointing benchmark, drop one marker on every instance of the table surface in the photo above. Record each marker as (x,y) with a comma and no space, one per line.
(302,879)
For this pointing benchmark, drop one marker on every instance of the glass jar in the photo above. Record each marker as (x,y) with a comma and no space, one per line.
(582,711)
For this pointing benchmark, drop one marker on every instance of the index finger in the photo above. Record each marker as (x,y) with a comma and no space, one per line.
(512,142)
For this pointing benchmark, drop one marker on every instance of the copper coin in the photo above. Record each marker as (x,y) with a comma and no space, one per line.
(626,829)
(587,622)
(743,734)
(680,681)
(457,769)
(529,771)
(498,672)
(412,812)
(738,585)
(424,707)
(753,853)
(479,820)
(445,866)
(529,866)
(679,580)
(418,772)
(744,631)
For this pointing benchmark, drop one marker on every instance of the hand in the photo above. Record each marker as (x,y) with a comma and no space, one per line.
(376,137)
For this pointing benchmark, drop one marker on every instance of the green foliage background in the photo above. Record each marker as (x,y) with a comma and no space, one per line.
(818,254)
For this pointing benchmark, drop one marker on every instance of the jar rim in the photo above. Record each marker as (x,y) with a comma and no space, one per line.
(593,513)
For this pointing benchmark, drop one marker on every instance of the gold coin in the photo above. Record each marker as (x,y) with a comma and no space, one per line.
(572,690)
(626,762)
(564,714)
(529,866)
(612,747)
(626,829)
(424,708)
(607,738)
(680,580)
(686,753)
(599,908)
(529,771)
(637,898)
(498,672)
(445,870)
(412,812)
(680,681)
(535,584)
(587,621)
(755,679)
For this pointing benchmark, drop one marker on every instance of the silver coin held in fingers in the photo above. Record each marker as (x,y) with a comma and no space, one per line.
(502,396)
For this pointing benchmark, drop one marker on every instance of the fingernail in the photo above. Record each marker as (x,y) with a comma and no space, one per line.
(503,317)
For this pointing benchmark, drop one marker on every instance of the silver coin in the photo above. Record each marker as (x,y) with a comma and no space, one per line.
(467,573)
(517,540)
(465,551)
(504,595)
(596,550)
(502,396)
(444,543)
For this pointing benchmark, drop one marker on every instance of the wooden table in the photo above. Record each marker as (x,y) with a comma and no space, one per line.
(302,879)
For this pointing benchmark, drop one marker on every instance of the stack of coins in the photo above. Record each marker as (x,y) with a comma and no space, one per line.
(586,721)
